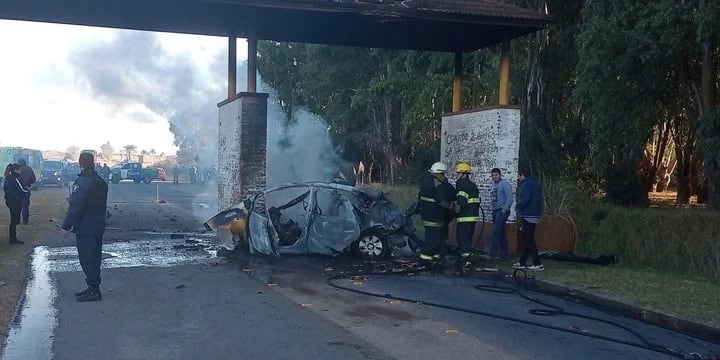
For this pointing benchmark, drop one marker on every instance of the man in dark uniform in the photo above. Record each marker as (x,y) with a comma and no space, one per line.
(86,217)
(468,198)
(437,210)
(27,178)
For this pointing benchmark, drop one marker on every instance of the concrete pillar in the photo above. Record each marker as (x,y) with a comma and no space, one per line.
(252,65)
(232,67)
(505,74)
(242,144)
(457,83)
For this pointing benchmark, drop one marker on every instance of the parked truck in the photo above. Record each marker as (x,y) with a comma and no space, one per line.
(136,172)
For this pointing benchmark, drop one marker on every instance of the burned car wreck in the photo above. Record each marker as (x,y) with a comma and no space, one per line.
(318,218)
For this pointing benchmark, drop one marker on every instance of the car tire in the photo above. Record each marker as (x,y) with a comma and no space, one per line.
(147,180)
(137,181)
(371,246)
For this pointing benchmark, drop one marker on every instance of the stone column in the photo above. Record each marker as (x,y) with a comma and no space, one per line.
(242,144)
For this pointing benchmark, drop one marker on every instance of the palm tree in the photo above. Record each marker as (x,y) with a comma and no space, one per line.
(129,151)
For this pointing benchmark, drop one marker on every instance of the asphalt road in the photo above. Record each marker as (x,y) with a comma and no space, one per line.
(165,296)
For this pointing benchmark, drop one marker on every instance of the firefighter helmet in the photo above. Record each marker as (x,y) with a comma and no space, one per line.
(438,168)
(463,167)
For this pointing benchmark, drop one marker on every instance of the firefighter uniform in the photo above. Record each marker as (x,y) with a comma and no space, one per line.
(437,210)
(468,198)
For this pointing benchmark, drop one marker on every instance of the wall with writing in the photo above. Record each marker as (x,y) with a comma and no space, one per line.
(486,138)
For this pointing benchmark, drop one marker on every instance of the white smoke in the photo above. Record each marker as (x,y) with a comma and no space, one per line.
(134,75)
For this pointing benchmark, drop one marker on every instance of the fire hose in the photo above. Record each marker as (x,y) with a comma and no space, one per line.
(520,278)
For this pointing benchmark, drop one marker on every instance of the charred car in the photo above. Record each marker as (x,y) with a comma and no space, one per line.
(319,218)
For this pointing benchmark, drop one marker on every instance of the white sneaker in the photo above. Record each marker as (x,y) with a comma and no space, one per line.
(536,267)
(518,265)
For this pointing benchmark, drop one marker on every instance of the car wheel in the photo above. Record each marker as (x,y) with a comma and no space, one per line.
(137,181)
(371,246)
(147,180)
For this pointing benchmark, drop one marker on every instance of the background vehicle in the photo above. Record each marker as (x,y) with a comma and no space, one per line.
(71,172)
(34,158)
(54,173)
(135,172)
(151,173)
(126,171)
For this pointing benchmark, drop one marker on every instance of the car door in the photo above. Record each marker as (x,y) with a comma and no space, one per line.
(333,225)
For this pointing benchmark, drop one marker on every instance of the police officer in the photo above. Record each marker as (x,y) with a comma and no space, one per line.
(86,217)
(468,198)
(437,210)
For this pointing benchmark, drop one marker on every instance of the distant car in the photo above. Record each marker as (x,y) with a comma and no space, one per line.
(54,173)
(126,171)
(320,218)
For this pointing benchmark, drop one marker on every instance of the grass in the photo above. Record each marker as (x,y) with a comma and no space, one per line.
(681,295)
(46,204)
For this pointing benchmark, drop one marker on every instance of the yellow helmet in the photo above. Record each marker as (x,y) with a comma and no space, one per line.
(463,167)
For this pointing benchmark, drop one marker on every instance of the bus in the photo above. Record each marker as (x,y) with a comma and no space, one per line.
(34,159)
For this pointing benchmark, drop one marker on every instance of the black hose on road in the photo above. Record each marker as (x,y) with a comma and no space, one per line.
(520,277)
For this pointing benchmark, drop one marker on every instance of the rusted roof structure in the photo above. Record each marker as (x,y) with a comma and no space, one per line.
(435,25)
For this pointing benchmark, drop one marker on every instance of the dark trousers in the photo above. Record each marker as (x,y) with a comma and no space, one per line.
(90,254)
(529,245)
(499,238)
(464,235)
(435,238)
(25,208)
(14,206)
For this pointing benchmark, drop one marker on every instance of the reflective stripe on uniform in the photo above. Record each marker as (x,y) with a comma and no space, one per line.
(473,200)
(463,194)
(432,224)
(428,199)
(468,219)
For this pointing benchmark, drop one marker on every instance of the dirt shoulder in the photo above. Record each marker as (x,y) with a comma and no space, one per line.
(47,207)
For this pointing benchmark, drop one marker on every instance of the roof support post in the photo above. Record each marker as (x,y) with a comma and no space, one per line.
(232,67)
(457,83)
(505,73)
(252,65)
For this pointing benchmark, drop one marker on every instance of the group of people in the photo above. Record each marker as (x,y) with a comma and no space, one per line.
(442,203)
(85,215)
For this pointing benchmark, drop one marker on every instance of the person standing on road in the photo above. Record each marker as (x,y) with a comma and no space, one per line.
(27,178)
(501,201)
(529,209)
(14,194)
(86,218)
(468,198)
(437,210)
(176,174)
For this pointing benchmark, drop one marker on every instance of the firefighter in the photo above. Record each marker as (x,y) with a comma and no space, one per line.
(437,210)
(468,199)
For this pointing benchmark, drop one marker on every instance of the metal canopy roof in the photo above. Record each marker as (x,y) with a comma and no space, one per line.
(435,25)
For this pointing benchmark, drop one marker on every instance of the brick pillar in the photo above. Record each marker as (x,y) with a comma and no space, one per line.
(242,144)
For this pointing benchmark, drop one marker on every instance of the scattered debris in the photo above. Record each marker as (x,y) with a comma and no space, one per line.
(162,202)
(177,236)
(578,329)
(329,269)
(451,331)
(180,287)
(259,292)
(487,269)
(306,305)
(272,284)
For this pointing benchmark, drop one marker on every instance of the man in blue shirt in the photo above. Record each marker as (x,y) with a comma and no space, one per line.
(529,209)
(501,200)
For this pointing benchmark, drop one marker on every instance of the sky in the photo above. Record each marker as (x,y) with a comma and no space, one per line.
(65,85)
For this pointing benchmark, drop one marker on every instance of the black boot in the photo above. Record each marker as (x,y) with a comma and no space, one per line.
(93,294)
(84,292)
(16,242)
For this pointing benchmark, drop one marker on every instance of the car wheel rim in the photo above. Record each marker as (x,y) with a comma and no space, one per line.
(371,245)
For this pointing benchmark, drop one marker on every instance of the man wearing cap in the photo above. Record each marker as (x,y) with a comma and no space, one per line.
(437,210)
(468,199)
(86,218)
